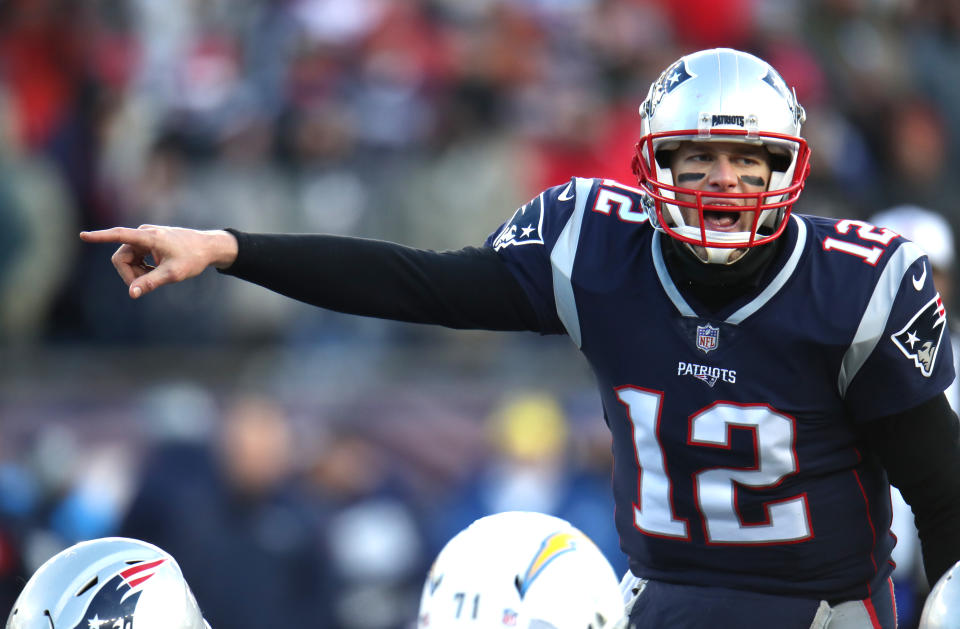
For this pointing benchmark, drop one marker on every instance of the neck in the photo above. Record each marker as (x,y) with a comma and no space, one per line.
(717,285)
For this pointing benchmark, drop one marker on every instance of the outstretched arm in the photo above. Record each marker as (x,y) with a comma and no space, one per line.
(179,254)
(471,288)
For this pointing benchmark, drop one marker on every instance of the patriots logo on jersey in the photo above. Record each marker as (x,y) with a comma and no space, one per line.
(708,378)
(524,228)
(919,340)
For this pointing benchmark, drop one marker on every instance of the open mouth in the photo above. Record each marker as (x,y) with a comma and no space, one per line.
(720,220)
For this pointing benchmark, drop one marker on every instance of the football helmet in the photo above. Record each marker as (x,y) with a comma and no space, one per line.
(721,95)
(926,227)
(107,583)
(941,610)
(521,570)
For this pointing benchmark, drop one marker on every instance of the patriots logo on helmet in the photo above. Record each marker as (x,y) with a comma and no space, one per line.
(672,77)
(113,606)
(774,80)
(524,228)
(919,340)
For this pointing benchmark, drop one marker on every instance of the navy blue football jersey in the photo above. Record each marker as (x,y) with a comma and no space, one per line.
(738,435)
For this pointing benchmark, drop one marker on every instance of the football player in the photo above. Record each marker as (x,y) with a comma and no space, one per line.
(521,570)
(107,583)
(765,374)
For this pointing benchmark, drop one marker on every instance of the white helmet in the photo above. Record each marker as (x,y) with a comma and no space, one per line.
(521,570)
(107,583)
(942,607)
(926,227)
(721,95)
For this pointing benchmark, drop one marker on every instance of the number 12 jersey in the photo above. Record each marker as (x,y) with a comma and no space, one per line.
(739,435)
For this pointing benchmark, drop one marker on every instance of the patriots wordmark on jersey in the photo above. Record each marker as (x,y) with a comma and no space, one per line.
(738,434)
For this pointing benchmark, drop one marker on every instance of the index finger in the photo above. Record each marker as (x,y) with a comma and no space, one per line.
(125,235)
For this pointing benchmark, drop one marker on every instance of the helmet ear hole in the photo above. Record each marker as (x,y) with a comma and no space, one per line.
(780,162)
(664,157)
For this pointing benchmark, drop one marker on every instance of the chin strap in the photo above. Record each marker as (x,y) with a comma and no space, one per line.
(716,255)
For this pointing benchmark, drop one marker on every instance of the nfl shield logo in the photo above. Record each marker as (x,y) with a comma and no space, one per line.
(707,337)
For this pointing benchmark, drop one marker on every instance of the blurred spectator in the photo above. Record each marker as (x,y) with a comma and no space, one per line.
(702,24)
(17,496)
(932,34)
(13,573)
(527,465)
(918,157)
(243,528)
(37,234)
(76,489)
(375,540)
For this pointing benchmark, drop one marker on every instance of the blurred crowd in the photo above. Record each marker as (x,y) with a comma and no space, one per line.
(421,121)
(282,515)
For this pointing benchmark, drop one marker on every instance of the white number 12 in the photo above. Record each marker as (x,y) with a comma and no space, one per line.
(787,520)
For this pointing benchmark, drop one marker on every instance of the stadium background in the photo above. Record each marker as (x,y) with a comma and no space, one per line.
(302,465)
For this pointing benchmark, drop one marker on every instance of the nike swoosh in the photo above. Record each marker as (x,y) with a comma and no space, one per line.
(918,282)
(565,195)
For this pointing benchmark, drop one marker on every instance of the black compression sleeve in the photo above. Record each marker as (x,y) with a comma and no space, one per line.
(920,450)
(467,289)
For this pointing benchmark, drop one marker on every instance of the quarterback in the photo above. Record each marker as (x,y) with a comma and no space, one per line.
(765,375)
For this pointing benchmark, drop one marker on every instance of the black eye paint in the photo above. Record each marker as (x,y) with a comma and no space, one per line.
(752,180)
(682,177)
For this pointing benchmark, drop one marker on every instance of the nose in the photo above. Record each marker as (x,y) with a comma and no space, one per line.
(723,176)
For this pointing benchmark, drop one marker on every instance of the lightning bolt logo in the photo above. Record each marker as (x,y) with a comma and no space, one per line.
(551,548)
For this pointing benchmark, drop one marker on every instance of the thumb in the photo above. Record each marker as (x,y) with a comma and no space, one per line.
(149,282)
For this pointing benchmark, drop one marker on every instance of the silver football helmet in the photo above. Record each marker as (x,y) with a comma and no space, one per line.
(521,570)
(941,610)
(107,583)
(721,95)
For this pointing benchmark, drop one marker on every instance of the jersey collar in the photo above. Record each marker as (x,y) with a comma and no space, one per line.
(799,236)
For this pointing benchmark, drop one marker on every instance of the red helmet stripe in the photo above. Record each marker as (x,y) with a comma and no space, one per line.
(137,569)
